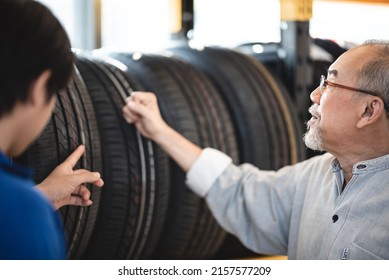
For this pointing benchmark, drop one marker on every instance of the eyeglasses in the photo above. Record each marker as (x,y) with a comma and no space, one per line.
(324,83)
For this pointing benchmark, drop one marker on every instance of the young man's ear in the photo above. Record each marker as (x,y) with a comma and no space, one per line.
(374,109)
(38,87)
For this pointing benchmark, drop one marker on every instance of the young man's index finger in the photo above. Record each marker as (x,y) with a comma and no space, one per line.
(76,155)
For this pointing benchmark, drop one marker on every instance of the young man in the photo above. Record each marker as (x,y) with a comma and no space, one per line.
(333,206)
(36,62)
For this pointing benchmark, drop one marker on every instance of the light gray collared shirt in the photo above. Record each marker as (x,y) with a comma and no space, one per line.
(300,210)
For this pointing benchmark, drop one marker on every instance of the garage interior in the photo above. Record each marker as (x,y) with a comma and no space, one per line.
(218,84)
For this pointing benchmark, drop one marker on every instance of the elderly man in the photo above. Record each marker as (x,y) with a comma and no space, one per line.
(332,206)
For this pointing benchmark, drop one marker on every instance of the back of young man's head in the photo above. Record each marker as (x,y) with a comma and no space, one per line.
(32,41)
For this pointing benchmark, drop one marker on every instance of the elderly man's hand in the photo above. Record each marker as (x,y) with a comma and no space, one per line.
(142,110)
(65,186)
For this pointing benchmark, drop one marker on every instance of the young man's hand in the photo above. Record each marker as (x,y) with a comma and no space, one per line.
(65,186)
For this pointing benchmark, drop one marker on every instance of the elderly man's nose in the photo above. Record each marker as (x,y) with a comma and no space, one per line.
(315,96)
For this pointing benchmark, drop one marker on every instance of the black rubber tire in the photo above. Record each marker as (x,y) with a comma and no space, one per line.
(242,101)
(155,198)
(124,228)
(271,57)
(114,208)
(186,106)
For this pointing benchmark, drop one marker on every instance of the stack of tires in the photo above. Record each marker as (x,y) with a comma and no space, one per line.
(215,97)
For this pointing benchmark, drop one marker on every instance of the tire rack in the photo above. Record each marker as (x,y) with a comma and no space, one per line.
(216,98)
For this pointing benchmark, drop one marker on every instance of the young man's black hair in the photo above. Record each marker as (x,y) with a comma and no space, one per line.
(32,40)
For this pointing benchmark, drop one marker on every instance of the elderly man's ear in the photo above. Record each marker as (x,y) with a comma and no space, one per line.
(373,110)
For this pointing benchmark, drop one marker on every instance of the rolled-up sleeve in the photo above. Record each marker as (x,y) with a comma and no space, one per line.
(206,169)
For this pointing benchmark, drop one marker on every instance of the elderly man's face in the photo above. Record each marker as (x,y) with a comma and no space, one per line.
(335,111)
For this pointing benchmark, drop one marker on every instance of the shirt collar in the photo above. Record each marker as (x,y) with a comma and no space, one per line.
(372,165)
(7,164)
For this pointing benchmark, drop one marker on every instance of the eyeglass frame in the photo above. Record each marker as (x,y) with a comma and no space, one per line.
(324,82)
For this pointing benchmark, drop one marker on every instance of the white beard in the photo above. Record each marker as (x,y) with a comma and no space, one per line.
(313,138)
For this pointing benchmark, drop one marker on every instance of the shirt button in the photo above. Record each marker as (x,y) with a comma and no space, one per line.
(335,218)
(361,166)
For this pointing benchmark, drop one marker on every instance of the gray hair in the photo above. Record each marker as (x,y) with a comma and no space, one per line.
(374,74)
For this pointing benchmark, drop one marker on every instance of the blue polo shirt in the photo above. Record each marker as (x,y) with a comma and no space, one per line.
(29,226)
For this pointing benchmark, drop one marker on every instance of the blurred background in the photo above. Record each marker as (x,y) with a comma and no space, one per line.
(147,25)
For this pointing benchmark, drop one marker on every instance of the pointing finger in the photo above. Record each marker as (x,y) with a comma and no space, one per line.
(75,156)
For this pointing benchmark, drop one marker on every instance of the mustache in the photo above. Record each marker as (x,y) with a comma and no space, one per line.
(314,110)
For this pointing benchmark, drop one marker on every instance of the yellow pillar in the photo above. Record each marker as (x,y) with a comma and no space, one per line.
(97,23)
(296,10)
(175,13)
